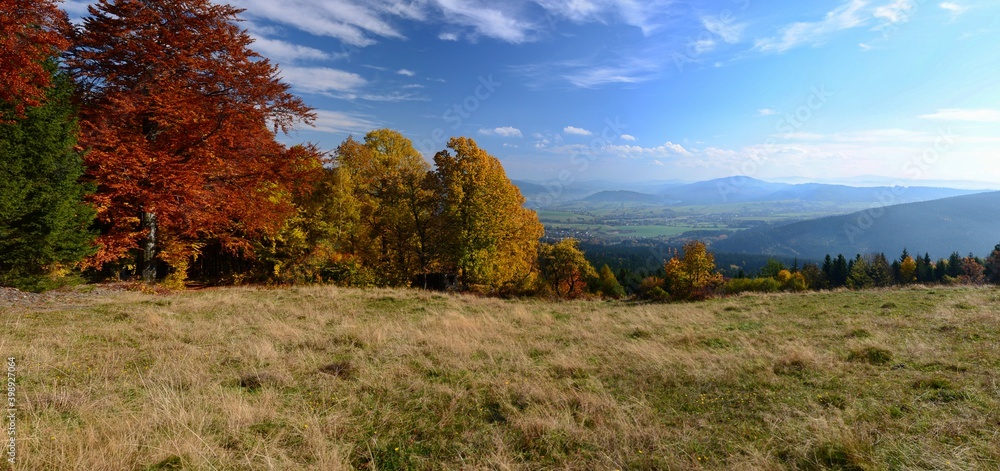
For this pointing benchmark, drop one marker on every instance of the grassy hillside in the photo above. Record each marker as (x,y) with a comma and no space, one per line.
(327,378)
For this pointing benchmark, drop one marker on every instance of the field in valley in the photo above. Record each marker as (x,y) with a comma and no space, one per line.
(330,378)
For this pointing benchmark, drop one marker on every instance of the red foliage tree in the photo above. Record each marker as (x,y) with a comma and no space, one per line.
(180,116)
(31,32)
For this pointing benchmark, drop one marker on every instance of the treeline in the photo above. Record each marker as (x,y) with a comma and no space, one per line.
(142,145)
(872,271)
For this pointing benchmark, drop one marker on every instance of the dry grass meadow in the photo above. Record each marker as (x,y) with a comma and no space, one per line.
(326,378)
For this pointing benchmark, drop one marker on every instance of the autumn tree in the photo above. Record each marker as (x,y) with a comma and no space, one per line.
(692,276)
(608,285)
(908,270)
(394,200)
(993,264)
(485,235)
(564,268)
(44,223)
(180,116)
(32,32)
(973,272)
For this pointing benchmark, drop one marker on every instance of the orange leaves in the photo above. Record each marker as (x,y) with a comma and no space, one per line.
(31,33)
(176,111)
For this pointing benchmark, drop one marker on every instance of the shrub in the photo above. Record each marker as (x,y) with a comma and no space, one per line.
(751,285)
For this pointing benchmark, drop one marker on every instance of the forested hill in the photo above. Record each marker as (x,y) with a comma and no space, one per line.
(964,224)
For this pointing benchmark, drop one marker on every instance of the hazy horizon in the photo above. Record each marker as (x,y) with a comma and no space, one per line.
(860,182)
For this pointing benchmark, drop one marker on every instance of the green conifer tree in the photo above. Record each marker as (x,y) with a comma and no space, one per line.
(44,223)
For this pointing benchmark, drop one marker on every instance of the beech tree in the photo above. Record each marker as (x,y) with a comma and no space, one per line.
(394,198)
(180,117)
(32,32)
(485,235)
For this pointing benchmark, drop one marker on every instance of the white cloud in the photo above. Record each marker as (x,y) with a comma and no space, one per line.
(846,16)
(506,131)
(408,73)
(321,79)
(702,46)
(727,30)
(485,19)
(959,114)
(646,15)
(448,37)
(628,137)
(392,97)
(337,122)
(573,130)
(766,112)
(953,8)
(75,8)
(354,24)
(284,52)
(669,149)
(898,11)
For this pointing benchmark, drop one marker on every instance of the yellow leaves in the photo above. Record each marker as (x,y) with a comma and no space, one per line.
(489,238)
(692,276)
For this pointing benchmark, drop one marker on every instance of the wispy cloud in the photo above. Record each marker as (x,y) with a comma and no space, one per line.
(953,8)
(322,79)
(846,16)
(648,15)
(628,137)
(898,11)
(668,149)
(487,19)
(338,122)
(284,52)
(408,73)
(730,31)
(575,131)
(392,97)
(960,114)
(351,22)
(766,112)
(506,131)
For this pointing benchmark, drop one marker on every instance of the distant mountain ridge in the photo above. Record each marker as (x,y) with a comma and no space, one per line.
(750,190)
(727,191)
(969,223)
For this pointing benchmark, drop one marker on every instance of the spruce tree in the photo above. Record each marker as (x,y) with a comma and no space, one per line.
(44,223)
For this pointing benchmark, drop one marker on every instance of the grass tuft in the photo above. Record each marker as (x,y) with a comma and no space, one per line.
(871,355)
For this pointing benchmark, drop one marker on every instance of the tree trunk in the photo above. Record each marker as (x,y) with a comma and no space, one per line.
(149,250)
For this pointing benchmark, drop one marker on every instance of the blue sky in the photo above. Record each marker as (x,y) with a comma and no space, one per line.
(630,90)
